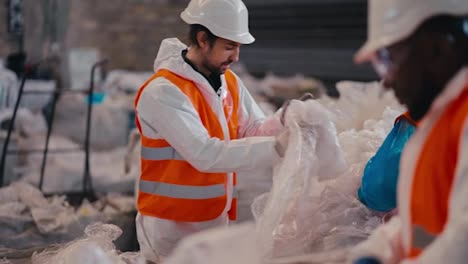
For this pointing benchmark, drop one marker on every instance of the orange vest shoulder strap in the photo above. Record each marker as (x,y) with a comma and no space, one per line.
(231,79)
(408,118)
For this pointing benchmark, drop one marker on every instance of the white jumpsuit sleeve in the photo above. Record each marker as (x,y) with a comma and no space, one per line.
(252,121)
(451,245)
(171,115)
(384,244)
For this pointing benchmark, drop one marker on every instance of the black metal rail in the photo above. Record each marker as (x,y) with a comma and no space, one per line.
(87,191)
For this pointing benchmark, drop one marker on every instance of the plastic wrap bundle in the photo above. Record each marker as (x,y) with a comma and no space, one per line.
(64,172)
(109,124)
(125,82)
(312,206)
(96,247)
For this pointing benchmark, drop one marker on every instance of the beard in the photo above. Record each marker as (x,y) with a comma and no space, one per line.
(214,69)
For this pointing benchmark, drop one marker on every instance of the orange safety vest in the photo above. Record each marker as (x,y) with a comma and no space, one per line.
(406,116)
(171,188)
(434,175)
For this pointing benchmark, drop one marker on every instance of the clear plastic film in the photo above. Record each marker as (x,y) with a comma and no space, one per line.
(312,206)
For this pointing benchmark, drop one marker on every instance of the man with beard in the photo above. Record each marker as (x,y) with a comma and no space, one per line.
(420,49)
(198,125)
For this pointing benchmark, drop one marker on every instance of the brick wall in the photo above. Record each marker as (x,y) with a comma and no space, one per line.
(5,44)
(127,32)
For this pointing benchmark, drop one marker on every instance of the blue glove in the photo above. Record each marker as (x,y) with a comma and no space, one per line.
(367,260)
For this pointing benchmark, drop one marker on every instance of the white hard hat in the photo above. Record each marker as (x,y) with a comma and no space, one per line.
(227,19)
(390,21)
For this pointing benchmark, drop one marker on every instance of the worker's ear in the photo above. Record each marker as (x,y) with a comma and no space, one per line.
(202,40)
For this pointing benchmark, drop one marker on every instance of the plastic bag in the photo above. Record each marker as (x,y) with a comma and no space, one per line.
(96,247)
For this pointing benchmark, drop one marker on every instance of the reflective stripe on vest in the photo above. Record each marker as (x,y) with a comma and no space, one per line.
(165,153)
(185,192)
(170,187)
(235,194)
(422,238)
(182,191)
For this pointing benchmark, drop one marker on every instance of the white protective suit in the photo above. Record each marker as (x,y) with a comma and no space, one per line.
(165,112)
(388,241)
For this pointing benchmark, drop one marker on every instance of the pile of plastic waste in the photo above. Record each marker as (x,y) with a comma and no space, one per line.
(107,167)
(28,219)
(96,247)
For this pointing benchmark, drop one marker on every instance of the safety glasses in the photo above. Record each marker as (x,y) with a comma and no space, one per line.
(386,60)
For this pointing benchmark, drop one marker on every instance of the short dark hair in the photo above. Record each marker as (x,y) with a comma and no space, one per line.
(195,29)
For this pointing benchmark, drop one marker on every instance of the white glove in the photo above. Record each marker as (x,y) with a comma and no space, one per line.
(304,97)
(282,141)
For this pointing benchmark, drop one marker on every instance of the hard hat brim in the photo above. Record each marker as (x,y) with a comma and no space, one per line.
(244,38)
(364,54)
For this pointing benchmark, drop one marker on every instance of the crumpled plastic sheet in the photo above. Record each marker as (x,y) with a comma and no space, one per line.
(28,219)
(96,247)
(312,206)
